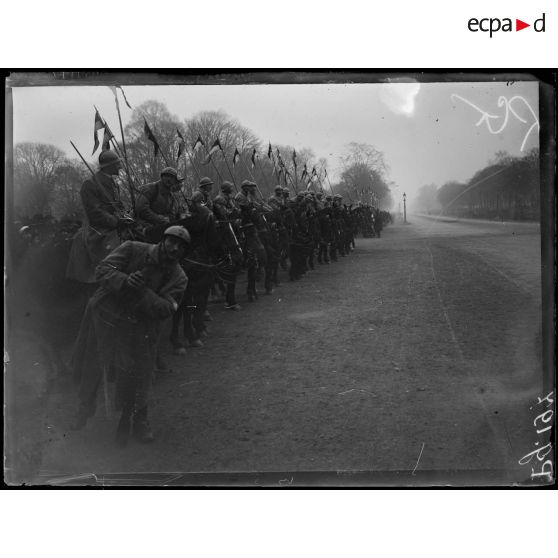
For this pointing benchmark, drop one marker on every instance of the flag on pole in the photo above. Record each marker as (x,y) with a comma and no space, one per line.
(151,138)
(124,95)
(181,144)
(99,125)
(236,156)
(197,144)
(113,88)
(269,151)
(280,159)
(254,158)
(325,173)
(314,173)
(304,173)
(107,136)
(309,183)
(216,145)
(294,157)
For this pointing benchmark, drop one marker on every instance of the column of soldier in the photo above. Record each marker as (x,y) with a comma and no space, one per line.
(165,262)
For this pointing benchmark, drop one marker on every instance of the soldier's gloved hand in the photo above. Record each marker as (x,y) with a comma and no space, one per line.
(135,280)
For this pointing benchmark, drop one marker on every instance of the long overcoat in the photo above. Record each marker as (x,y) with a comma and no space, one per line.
(98,235)
(122,324)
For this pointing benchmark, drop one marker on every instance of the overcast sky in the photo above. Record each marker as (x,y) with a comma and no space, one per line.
(427,134)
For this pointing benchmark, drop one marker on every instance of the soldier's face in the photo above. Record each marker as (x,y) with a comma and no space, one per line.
(174,248)
(169,182)
(113,169)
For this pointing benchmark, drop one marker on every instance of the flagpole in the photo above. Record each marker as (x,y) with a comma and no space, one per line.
(121,153)
(253,178)
(132,196)
(284,169)
(329,182)
(159,149)
(84,161)
(211,160)
(263,175)
(295,188)
(274,169)
(193,164)
(294,165)
(228,168)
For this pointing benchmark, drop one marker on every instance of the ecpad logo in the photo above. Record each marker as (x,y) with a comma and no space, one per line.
(494,24)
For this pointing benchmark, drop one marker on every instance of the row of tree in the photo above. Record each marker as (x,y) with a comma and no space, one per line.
(47,181)
(507,188)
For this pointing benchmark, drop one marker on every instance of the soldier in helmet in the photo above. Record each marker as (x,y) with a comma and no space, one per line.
(202,228)
(104,221)
(319,201)
(140,285)
(254,251)
(206,187)
(340,225)
(228,221)
(157,203)
(224,206)
(277,201)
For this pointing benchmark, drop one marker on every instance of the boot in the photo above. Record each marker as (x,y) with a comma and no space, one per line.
(142,430)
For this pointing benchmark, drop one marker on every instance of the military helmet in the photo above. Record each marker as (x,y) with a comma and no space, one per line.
(169,171)
(278,188)
(205,182)
(248,184)
(178,232)
(329,197)
(107,158)
(226,187)
(197,197)
(337,197)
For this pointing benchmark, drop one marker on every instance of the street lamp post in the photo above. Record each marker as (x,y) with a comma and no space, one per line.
(404,207)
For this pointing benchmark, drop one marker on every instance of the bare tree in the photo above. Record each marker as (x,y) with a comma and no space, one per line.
(213,125)
(35,168)
(65,197)
(141,152)
(363,176)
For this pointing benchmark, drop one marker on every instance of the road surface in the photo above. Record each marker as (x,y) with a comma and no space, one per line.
(418,354)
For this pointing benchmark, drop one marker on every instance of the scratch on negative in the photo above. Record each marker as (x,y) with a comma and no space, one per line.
(446,316)
(420,454)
